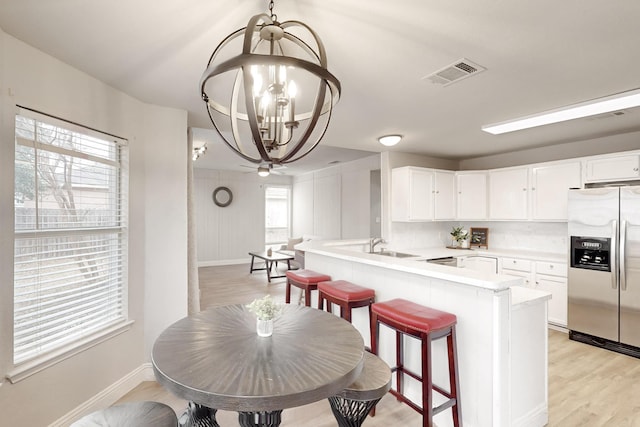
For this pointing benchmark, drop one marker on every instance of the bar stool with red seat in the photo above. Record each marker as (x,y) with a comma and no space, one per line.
(307,280)
(425,324)
(346,295)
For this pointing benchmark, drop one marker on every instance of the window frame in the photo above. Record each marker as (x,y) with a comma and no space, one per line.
(289,214)
(18,371)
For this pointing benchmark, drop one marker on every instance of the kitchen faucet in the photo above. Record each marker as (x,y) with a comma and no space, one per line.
(373,242)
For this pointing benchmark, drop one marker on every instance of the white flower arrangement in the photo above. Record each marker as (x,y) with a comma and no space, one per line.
(459,234)
(265,308)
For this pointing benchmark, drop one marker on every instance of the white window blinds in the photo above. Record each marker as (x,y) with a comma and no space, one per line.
(277,215)
(70,247)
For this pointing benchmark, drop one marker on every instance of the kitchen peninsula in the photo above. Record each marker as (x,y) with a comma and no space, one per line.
(501,330)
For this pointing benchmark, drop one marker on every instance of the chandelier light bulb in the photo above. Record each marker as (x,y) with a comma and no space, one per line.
(292,89)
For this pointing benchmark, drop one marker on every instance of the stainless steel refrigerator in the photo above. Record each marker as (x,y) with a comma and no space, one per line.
(604,267)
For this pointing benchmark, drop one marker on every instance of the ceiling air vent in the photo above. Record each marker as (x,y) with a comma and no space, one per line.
(455,72)
(617,113)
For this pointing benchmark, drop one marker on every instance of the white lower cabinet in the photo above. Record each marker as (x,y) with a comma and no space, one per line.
(517,267)
(552,277)
(479,263)
(546,276)
(526,276)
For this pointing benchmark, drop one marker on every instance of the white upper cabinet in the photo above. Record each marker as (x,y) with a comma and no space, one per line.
(612,168)
(508,193)
(419,194)
(534,192)
(471,200)
(549,190)
(444,195)
(411,194)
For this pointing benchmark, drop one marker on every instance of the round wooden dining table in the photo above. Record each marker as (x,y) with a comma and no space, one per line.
(216,361)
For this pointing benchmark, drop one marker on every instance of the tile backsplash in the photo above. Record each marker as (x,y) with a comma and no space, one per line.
(550,237)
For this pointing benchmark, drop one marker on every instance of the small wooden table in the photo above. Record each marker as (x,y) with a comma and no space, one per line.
(269,260)
(216,360)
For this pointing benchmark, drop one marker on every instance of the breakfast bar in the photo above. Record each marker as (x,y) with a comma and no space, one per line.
(501,330)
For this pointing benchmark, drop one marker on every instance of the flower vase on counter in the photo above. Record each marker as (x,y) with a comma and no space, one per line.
(460,238)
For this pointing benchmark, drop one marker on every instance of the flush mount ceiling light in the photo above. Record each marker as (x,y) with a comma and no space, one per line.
(607,104)
(389,140)
(272,103)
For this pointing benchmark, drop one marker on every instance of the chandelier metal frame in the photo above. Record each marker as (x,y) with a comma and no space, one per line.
(273,147)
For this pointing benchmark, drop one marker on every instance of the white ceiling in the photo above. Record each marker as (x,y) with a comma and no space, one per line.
(539,55)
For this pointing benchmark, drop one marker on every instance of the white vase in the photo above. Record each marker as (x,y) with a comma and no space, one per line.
(464,244)
(264,327)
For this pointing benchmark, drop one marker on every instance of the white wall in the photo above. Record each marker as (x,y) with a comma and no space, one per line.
(227,234)
(302,203)
(335,202)
(590,147)
(157,226)
(165,202)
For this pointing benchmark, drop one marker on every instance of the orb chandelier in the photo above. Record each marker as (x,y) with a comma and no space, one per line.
(272,103)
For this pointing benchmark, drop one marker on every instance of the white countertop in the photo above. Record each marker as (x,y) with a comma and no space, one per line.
(355,250)
(493,252)
(521,295)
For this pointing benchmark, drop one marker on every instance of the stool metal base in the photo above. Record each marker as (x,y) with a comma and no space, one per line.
(351,413)
(198,416)
(260,419)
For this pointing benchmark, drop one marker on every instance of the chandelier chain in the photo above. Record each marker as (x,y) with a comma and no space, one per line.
(274,17)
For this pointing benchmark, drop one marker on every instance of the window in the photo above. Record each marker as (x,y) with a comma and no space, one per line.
(70,250)
(277,215)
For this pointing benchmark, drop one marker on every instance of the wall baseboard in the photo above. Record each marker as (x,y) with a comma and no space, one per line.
(108,396)
(223,262)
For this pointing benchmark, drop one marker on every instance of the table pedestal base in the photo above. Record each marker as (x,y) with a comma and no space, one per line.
(350,413)
(198,416)
(259,419)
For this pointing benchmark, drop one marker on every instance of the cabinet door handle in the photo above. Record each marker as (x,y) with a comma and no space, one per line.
(551,266)
(533,188)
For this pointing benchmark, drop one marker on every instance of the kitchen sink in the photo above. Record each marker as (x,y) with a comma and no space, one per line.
(393,254)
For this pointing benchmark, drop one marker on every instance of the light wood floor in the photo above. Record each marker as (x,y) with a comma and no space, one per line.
(588,386)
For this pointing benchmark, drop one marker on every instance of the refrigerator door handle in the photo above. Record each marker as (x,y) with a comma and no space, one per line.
(623,243)
(614,254)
